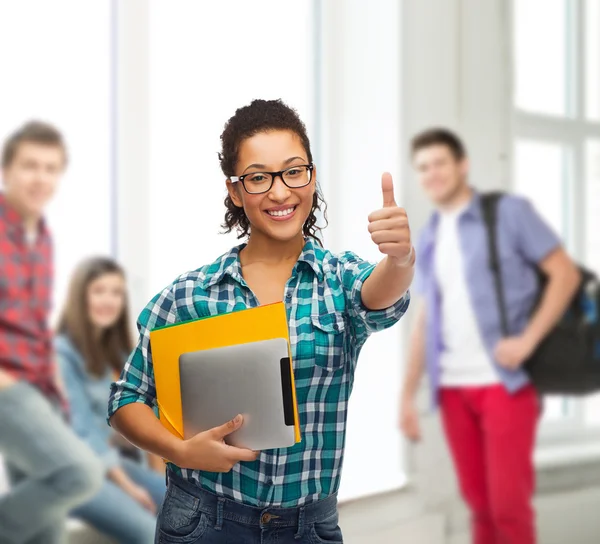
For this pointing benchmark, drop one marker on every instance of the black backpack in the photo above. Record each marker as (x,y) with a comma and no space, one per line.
(567,361)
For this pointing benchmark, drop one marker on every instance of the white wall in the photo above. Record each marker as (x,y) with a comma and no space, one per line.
(360,93)
(453,60)
(57,68)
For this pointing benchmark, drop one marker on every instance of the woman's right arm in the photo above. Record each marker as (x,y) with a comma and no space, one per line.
(206,451)
(133,398)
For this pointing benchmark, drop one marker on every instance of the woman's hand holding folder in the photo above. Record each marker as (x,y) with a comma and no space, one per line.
(208,451)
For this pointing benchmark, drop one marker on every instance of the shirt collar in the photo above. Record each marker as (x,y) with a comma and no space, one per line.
(13,219)
(10,216)
(472,211)
(229,264)
(310,258)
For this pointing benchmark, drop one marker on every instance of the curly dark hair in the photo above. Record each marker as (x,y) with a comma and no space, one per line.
(259,117)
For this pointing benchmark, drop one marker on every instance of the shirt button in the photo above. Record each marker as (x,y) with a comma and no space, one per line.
(288,296)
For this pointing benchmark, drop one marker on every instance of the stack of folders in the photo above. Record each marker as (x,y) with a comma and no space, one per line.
(209,370)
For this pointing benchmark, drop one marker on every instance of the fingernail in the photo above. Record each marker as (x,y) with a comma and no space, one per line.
(237,418)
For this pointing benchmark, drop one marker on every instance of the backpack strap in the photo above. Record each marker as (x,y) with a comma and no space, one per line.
(489,208)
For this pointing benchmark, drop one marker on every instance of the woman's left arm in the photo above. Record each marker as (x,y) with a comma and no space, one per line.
(387,284)
(390,230)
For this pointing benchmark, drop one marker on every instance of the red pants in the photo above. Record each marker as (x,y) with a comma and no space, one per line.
(491,434)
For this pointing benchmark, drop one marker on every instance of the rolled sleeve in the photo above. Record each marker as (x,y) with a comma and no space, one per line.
(364,321)
(136,383)
(535,238)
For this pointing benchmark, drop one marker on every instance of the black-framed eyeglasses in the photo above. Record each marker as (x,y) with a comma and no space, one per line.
(294,177)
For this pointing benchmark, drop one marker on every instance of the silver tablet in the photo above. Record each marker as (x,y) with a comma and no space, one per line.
(251,379)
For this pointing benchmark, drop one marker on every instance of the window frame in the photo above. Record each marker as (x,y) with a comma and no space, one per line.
(572,132)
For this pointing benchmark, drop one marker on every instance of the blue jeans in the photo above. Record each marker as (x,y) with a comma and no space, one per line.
(114,513)
(51,469)
(191,515)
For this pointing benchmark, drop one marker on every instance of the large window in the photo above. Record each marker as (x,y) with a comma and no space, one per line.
(55,59)
(557,143)
(206,60)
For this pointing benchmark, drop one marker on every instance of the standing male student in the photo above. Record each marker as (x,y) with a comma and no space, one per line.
(52,469)
(489,409)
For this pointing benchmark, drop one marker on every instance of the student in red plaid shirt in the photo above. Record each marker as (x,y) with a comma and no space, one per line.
(51,469)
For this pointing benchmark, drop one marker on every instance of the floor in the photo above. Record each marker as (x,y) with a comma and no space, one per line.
(564,518)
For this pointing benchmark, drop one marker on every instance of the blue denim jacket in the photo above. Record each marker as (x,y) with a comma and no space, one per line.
(87,396)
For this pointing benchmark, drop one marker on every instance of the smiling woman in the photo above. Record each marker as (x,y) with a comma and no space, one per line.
(334,303)
(91,346)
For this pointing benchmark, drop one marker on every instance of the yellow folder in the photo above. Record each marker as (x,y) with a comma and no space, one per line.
(238,327)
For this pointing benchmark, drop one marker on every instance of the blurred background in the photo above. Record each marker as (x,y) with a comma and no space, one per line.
(142,89)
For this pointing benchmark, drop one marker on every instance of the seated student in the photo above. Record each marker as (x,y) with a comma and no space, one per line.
(220,493)
(92,343)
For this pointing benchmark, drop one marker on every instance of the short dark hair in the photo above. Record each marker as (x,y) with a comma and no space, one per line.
(36,132)
(259,117)
(439,136)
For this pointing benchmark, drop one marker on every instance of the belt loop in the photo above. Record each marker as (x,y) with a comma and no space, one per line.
(300,532)
(219,524)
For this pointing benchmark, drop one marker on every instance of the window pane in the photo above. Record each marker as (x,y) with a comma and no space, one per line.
(592,411)
(540,175)
(592,72)
(592,202)
(592,250)
(57,68)
(557,408)
(541,56)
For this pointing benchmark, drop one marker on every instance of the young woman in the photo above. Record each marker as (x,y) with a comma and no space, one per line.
(93,342)
(218,493)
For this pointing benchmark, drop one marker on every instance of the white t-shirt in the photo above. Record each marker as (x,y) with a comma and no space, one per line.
(464,359)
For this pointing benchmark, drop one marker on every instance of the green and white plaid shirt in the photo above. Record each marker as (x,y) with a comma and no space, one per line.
(328,326)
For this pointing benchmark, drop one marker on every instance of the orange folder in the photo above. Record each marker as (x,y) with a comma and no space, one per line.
(238,327)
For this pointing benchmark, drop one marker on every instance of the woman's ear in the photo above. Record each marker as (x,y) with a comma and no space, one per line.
(234,194)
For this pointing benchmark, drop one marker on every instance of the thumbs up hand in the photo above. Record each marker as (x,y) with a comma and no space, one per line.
(389,227)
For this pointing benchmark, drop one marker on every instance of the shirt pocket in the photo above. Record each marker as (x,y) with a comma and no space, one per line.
(330,337)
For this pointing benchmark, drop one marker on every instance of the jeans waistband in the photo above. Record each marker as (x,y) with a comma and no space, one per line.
(221,508)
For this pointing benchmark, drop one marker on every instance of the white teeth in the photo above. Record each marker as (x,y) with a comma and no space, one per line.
(281,213)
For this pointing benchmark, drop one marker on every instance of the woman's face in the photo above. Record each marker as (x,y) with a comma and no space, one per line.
(106,300)
(280,213)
